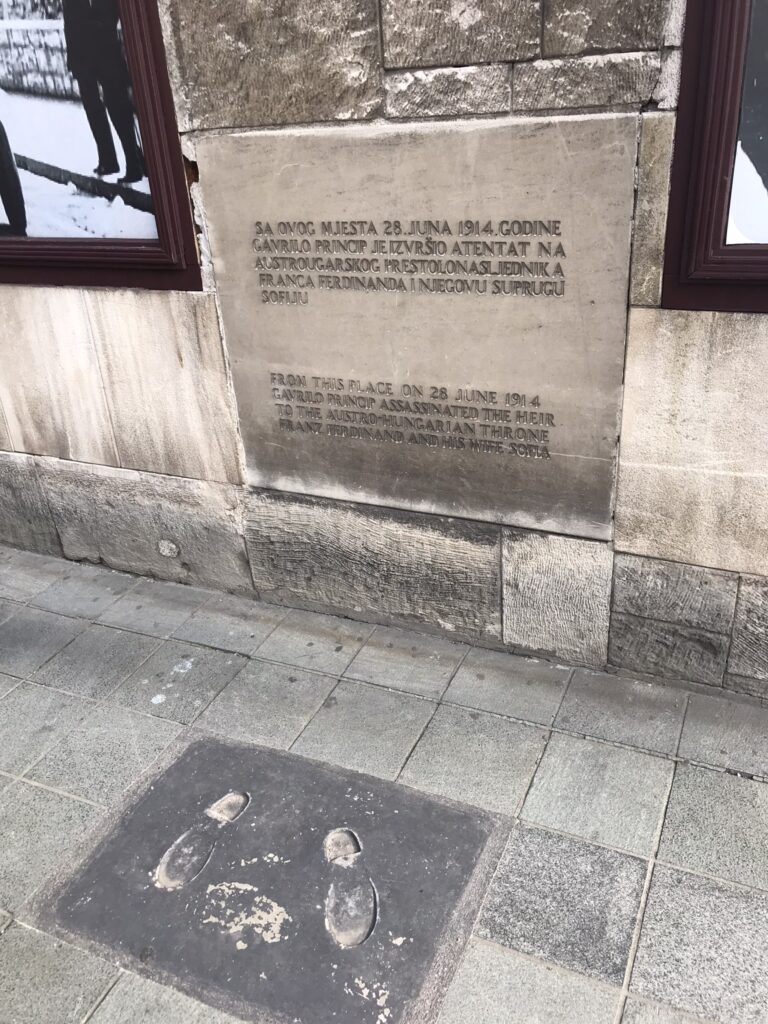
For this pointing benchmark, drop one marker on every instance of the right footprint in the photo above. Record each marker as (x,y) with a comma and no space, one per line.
(187,856)
(351,906)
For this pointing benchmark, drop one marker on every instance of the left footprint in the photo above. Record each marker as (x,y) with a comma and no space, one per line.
(187,856)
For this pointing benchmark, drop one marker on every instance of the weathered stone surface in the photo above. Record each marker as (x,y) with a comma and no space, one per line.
(5,436)
(383,564)
(726,733)
(656,141)
(50,387)
(242,64)
(667,89)
(618,80)
(557,593)
(674,24)
(162,361)
(447,32)
(581,26)
(686,594)
(693,486)
(749,652)
(183,530)
(667,649)
(330,409)
(443,92)
(25,518)
(745,684)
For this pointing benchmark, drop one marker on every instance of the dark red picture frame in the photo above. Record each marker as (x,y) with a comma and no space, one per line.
(172,260)
(700,270)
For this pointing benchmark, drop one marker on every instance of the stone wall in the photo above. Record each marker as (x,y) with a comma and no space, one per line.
(120,429)
(33,59)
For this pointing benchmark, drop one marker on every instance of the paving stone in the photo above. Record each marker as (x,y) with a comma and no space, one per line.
(5,920)
(32,719)
(318,642)
(498,986)
(96,661)
(637,1011)
(84,591)
(725,733)
(443,32)
(407,661)
(600,792)
(277,63)
(25,518)
(267,704)
(557,593)
(717,824)
(476,759)
(704,948)
(446,92)
(135,999)
(39,830)
(623,710)
(657,135)
(7,609)
(7,683)
(24,574)
(565,901)
(99,759)
(616,80)
(509,685)
(685,594)
(155,608)
(749,653)
(366,729)
(44,981)
(30,637)
(178,681)
(578,26)
(667,649)
(232,623)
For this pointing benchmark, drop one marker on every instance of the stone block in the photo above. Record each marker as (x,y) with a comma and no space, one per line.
(162,361)
(667,90)
(51,386)
(448,92)
(725,733)
(25,518)
(5,435)
(749,651)
(692,480)
(188,531)
(618,80)
(584,26)
(388,565)
(667,649)
(447,32)
(240,64)
(655,162)
(674,24)
(557,593)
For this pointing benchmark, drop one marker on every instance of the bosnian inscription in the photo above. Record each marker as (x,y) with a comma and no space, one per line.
(515,257)
(428,415)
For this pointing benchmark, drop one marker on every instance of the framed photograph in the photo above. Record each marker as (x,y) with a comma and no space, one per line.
(93,186)
(717,232)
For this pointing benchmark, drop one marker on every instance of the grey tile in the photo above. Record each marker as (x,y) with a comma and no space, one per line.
(155,608)
(319,642)
(23,574)
(704,948)
(498,986)
(231,623)
(31,637)
(475,758)
(179,681)
(509,685)
(725,733)
(7,609)
(7,683)
(623,710)
(566,901)
(85,591)
(96,661)
(39,830)
(407,661)
(267,704)
(717,824)
(103,756)
(135,999)
(600,792)
(365,728)
(45,981)
(32,719)
(638,1011)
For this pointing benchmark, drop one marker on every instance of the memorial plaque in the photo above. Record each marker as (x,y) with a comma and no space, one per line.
(430,316)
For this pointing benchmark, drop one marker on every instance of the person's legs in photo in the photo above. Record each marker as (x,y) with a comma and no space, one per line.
(118,102)
(96,113)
